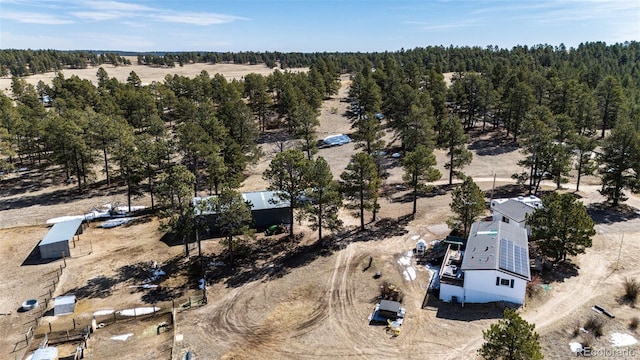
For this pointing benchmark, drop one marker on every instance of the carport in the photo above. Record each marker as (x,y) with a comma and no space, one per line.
(56,243)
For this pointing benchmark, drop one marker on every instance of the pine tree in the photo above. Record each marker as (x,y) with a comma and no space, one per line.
(288,177)
(619,162)
(418,169)
(324,198)
(512,338)
(467,204)
(562,226)
(359,185)
(455,141)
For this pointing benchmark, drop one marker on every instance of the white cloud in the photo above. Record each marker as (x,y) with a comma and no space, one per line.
(34,18)
(117,6)
(203,19)
(98,15)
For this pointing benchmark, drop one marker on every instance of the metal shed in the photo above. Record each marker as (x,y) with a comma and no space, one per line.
(48,353)
(63,305)
(56,243)
(267,208)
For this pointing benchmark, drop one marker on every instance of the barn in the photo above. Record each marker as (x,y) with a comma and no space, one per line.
(56,243)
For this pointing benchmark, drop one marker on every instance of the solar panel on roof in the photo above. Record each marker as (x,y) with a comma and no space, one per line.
(513,258)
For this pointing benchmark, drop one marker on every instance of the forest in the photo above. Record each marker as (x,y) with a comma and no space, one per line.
(568,109)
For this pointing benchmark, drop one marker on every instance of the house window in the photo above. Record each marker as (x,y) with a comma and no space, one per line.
(505,282)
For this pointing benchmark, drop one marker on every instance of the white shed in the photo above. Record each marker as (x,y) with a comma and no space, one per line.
(421,247)
(48,353)
(63,305)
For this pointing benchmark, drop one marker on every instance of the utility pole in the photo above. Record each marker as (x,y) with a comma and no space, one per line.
(619,252)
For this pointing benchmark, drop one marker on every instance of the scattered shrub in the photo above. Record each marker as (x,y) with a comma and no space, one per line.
(631,289)
(389,291)
(334,110)
(587,340)
(595,326)
(633,324)
(576,328)
(534,286)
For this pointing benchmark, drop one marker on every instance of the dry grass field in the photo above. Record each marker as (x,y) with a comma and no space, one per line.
(299,301)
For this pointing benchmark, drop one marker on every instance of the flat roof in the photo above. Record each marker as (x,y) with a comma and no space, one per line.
(48,353)
(62,231)
(64,300)
(389,305)
(495,245)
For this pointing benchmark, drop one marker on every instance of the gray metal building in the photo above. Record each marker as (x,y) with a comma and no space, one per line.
(266,208)
(56,243)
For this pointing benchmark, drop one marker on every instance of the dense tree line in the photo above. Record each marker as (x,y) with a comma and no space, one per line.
(16,62)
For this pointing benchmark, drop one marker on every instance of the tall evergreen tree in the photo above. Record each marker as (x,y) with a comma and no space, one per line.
(455,141)
(562,226)
(359,185)
(288,176)
(512,338)
(324,198)
(419,168)
(619,162)
(467,204)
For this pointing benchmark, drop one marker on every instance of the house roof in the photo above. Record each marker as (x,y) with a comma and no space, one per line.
(260,200)
(496,245)
(62,231)
(514,209)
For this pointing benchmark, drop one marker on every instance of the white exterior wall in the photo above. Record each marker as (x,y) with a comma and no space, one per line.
(447,291)
(480,287)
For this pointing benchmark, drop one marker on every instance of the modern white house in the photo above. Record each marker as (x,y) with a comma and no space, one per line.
(494,266)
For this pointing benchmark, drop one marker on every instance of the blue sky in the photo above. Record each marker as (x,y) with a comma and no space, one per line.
(311,25)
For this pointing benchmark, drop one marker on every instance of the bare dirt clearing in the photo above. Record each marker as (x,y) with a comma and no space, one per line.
(148,74)
(306,302)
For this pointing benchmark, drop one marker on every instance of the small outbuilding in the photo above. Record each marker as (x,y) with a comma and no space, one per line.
(63,305)
(56,243)
(421,247)
(48,353)
(389,309)
(267,208)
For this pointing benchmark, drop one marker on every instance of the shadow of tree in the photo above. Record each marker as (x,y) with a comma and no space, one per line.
(508,191)
(436,190)
(470,312)
(559,272)
(145,273)
(495,145)
(281,255)
(604,214)
(56,197)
